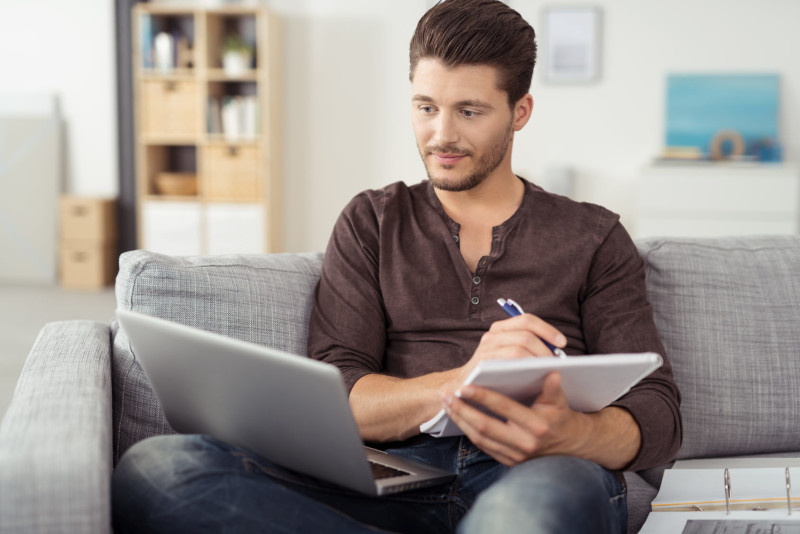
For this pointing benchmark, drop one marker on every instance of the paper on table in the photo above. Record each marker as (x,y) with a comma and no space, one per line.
(740,526)
(676,522)
(590,383)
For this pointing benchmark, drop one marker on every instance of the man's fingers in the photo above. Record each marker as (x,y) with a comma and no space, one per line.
(517,416)
(533,324)
(499,439)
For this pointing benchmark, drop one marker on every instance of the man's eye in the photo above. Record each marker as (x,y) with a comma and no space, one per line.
(468,113)
(426,109)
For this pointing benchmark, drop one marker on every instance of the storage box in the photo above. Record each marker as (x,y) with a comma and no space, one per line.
(232,174)
(87,265)
(170,108)
(88,219)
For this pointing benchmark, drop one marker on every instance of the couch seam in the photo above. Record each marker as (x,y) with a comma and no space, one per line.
(660,244)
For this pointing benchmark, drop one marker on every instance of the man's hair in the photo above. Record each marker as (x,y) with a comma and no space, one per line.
(478,32)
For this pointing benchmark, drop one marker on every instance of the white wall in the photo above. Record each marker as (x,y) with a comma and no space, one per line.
(608,130)
(347,95)
(347,91)
(66,48)
(347,107)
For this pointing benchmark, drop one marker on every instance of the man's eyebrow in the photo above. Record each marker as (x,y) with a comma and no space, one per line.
(474,104)
(462,103)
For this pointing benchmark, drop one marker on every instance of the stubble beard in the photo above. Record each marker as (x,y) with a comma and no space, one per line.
(484,166)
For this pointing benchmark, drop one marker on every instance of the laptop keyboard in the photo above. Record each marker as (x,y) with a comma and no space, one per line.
(380,471)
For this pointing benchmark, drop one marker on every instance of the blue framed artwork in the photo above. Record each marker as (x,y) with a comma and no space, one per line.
(700,106)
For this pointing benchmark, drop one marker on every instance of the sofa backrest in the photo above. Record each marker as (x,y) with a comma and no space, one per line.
(264,299)
(728,311)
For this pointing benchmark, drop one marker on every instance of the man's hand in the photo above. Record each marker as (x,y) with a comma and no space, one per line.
(516,337)
(610,437)
(547,427)
(388,408)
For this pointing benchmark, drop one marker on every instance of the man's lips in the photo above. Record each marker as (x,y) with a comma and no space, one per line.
(448,159)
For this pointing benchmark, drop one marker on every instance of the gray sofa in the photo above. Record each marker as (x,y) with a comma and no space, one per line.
(727,309)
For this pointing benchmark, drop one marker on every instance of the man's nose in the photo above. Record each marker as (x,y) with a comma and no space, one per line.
(446,130)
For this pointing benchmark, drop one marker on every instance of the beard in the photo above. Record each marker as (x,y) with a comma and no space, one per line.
(482,168)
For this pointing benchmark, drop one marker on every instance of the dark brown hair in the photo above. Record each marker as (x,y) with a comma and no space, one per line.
(478,32)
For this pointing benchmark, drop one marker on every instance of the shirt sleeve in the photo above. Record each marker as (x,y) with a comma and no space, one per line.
(348,321)
(617,318)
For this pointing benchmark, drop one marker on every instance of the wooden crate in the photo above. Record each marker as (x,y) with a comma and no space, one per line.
(232,173)
(88,219)
(87,264)
(169,108)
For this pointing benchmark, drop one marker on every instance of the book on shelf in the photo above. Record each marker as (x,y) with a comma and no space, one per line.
(145,39)
(235,117)
(166,43)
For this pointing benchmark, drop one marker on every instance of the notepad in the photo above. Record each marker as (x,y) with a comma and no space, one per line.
(590,383)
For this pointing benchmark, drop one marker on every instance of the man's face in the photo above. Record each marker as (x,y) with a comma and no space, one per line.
(462,122)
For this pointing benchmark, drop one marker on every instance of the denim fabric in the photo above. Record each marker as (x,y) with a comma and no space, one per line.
(198,484)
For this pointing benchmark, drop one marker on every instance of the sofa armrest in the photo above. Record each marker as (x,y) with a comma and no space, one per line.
(55,439)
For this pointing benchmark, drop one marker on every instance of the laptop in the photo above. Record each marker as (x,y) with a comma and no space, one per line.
(291,410)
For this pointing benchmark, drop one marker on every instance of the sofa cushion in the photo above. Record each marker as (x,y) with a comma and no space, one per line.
(263,299)
(728,311)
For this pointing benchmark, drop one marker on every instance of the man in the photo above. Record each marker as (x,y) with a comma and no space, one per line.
(406,308)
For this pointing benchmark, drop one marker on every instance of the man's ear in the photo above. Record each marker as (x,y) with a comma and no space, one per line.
(522,111)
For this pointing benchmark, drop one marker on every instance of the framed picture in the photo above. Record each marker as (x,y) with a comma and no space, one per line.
(572,44)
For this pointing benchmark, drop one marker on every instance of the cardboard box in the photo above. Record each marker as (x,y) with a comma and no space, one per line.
(88,219)
(87,264)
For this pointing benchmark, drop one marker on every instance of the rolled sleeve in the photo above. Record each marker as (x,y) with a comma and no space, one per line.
(348,321)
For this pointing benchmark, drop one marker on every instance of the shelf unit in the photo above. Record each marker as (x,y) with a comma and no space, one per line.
(214,134)
(718,199)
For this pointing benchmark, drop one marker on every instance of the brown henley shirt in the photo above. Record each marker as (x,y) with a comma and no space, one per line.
(396,296)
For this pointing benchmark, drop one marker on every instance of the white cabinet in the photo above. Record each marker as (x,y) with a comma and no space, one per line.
(236,228)
(172,227)
(718,200)
(192,228)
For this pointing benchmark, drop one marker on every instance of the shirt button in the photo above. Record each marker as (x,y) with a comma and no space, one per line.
(455,238)
(476,280)
(476,300)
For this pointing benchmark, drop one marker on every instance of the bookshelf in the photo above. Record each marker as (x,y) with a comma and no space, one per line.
(207,129)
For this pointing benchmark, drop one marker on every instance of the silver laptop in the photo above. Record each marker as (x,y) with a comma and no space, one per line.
(289,409)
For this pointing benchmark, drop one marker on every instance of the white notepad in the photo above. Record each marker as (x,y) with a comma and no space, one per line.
(590,383)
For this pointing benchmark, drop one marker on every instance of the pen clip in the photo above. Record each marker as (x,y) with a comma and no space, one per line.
(514,305)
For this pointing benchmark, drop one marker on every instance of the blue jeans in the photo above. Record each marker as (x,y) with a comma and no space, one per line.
(196,484)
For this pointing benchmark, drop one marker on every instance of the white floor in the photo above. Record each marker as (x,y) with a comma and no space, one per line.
(23,312)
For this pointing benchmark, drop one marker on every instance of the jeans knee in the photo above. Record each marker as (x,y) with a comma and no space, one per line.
(550,494)
(146,474)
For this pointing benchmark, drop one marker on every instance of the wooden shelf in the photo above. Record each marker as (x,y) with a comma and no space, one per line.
(221,140)
(239,197)
(171,198)
(170,75)
(219,75)
(180,140)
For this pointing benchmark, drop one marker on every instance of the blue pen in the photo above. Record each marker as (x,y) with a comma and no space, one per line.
(513,309)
